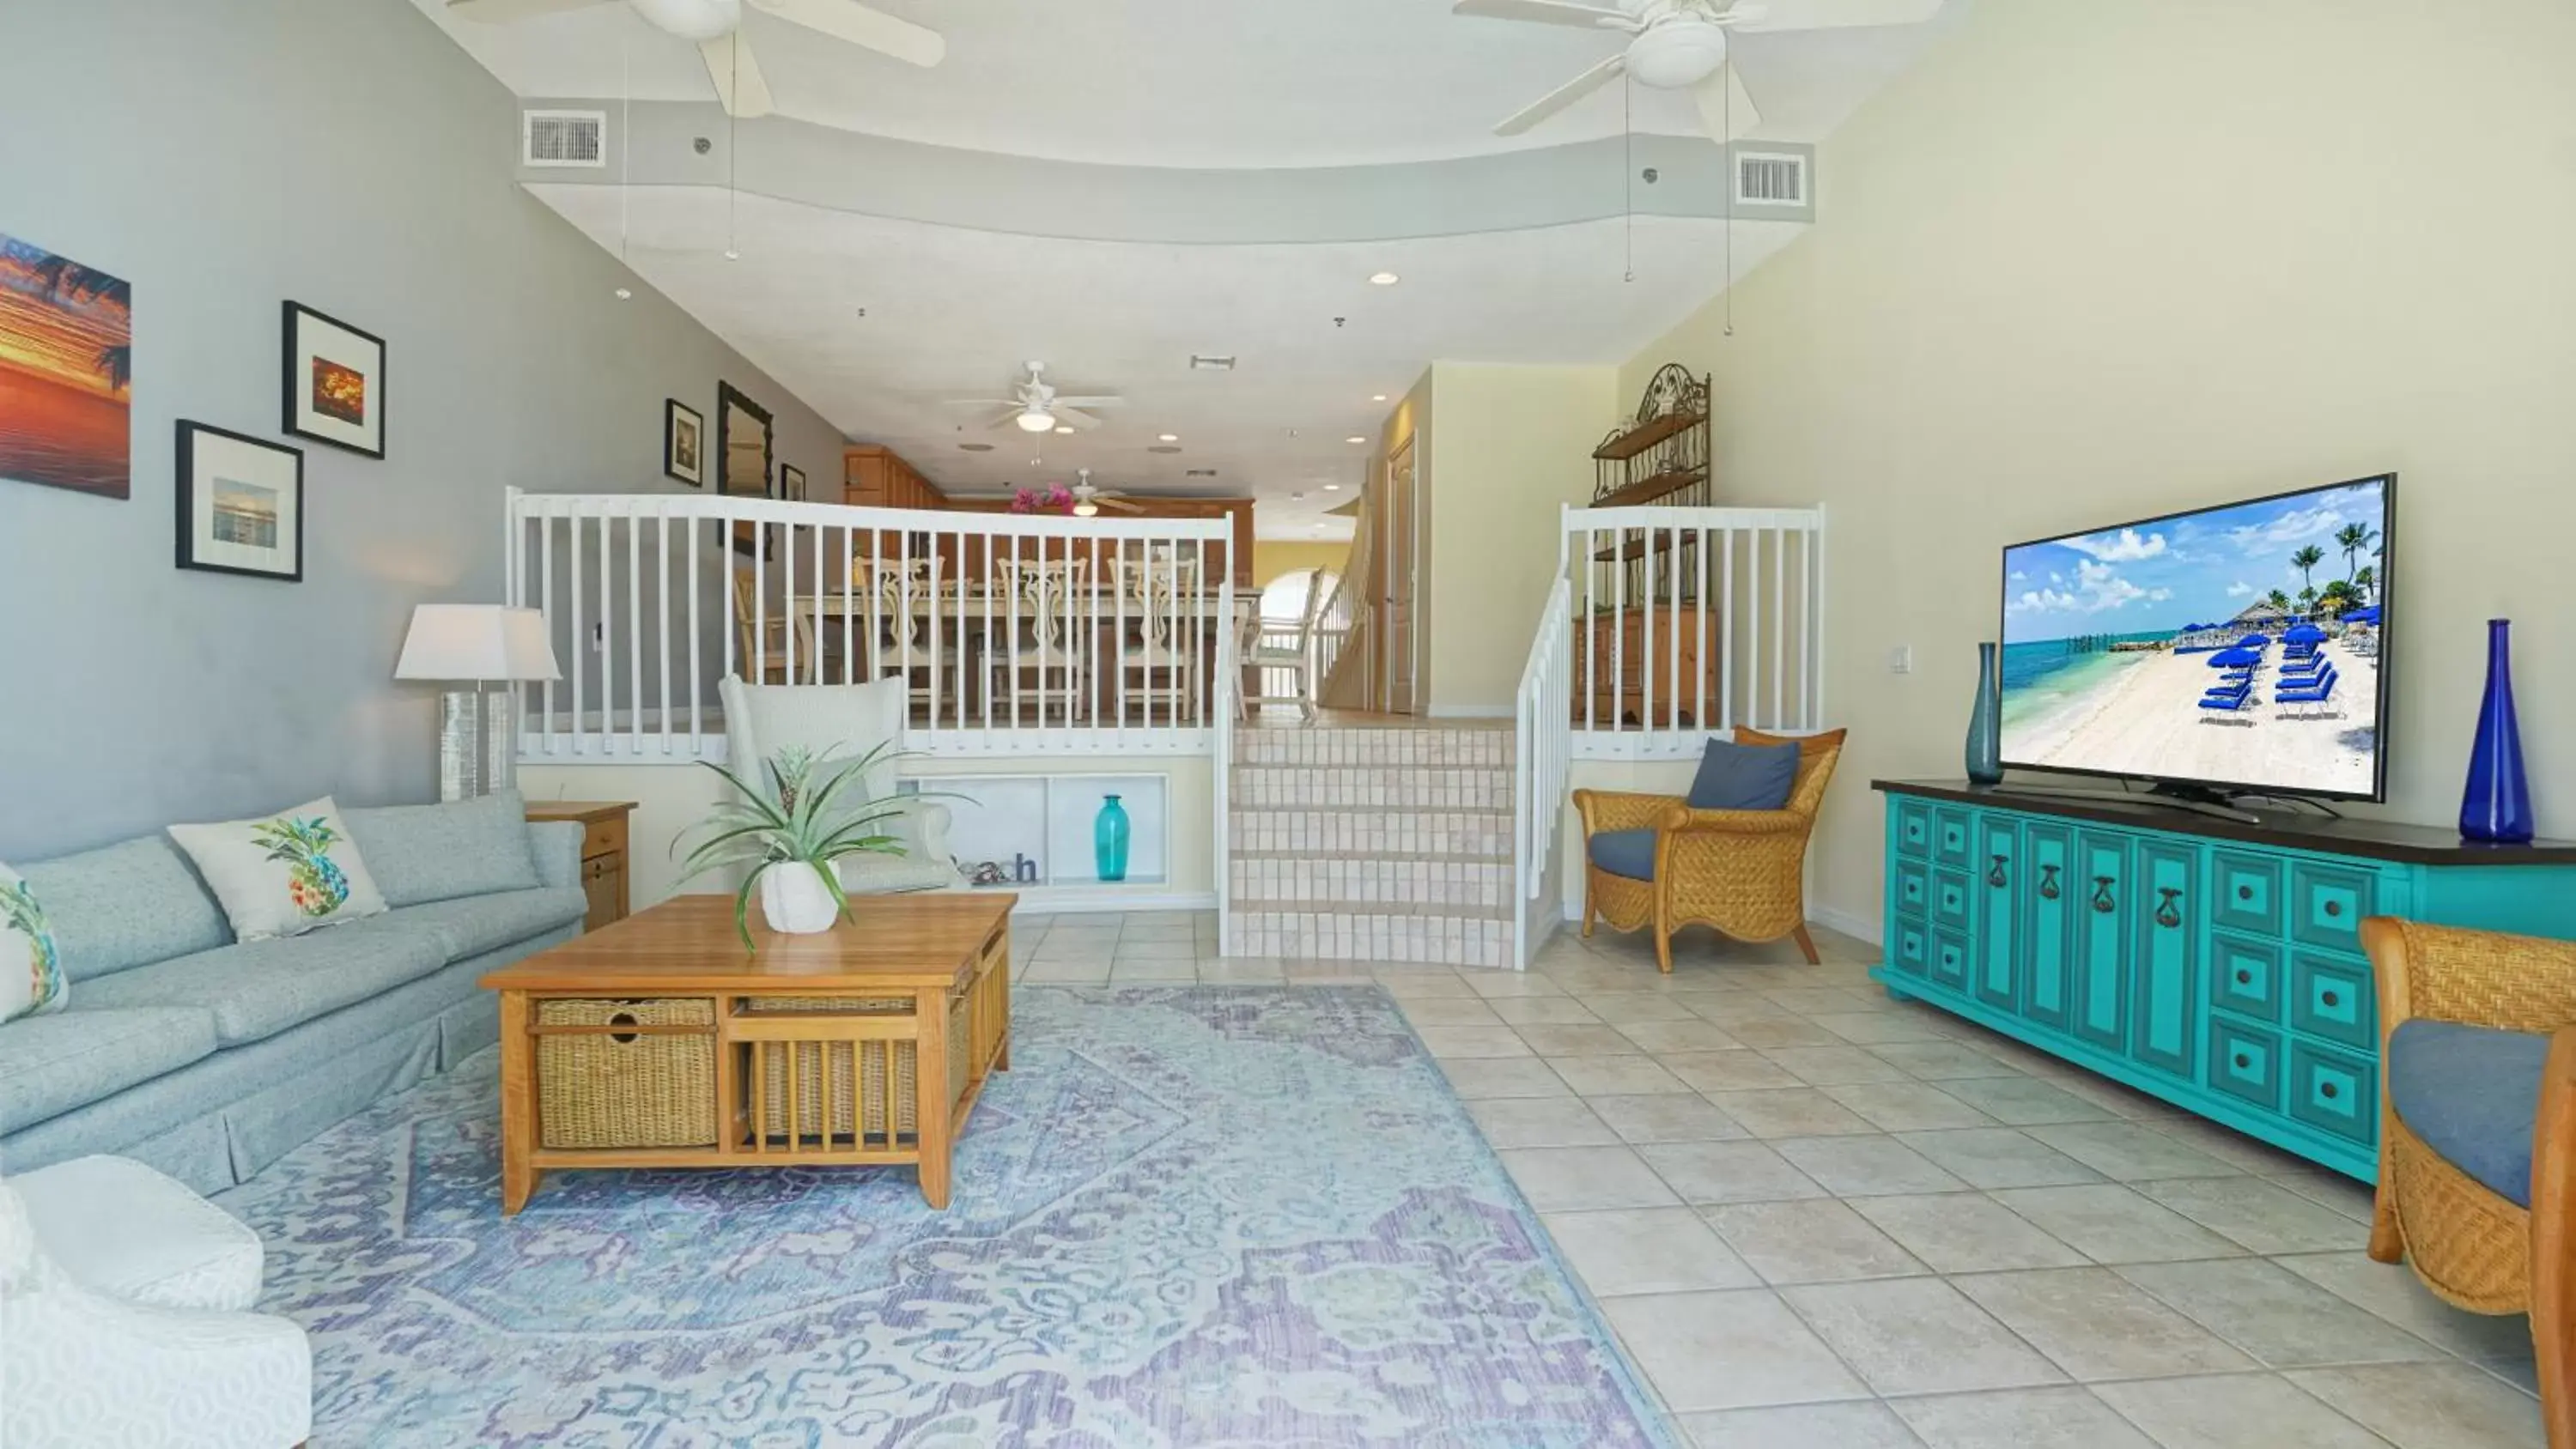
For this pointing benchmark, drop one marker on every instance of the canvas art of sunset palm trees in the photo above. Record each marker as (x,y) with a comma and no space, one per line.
(66,372)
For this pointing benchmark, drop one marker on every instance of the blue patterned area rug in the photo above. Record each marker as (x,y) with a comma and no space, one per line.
(1190,1217)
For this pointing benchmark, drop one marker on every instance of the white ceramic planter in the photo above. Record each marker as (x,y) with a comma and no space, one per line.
(795,899)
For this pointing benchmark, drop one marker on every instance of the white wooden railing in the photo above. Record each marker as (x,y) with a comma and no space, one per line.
(1691,620)
(1541,750)
(1015,633)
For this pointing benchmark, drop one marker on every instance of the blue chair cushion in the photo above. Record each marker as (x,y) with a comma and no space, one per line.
(1743,777)
(2473,1094)
(1625,852)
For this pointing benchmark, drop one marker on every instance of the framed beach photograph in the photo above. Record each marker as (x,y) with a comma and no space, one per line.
(241,504)
(684,437)
(66,373)
(335,382)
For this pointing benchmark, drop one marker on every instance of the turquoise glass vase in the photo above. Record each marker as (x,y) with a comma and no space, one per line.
(1985,724)
(1109,839)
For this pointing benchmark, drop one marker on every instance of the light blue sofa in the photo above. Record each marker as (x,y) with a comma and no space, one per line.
(209,1059)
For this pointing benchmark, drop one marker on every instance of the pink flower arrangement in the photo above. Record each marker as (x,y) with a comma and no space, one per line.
(1056,499)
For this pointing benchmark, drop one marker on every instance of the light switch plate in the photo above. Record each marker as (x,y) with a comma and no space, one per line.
(1900,660)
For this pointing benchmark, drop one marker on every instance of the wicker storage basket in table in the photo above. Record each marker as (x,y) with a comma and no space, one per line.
(834,1078)
(605,1089)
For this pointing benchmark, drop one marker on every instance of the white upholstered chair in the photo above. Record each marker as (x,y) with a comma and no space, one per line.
(123,1301)
(842,721)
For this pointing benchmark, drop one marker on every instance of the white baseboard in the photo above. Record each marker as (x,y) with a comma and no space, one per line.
(1849,924)
(1471,711)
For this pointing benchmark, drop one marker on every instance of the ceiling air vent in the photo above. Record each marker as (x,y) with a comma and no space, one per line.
(1207,362)
(1770,179)
(1199,473)
(563,138)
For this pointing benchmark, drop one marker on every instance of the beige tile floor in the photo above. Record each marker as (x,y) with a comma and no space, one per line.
(1822,1219)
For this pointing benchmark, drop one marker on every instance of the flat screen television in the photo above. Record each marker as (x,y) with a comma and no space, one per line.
(2233,650)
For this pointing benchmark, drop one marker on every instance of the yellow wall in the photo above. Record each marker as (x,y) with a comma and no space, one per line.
(2097,261)
(1510,445)
(1271,559)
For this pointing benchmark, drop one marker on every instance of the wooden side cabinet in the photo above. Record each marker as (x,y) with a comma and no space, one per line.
(603,851)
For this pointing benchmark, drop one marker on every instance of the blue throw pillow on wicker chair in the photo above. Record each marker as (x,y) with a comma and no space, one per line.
(1744,777)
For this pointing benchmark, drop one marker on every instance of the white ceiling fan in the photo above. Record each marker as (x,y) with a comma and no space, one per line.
(1681,45)
(1036,407)
(715,27)
(1088,500)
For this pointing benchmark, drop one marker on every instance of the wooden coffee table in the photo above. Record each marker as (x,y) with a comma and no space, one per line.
(658,1042)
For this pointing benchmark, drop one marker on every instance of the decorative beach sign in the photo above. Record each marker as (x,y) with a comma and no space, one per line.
(66,372)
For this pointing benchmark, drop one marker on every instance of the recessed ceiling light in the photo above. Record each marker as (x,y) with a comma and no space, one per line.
(1384,279)
(1296,497)
(1354,438)
(623,294)
(1319,528)
(731,255)
(974,447)
(1168,437)
(1332,487)
(1377,397)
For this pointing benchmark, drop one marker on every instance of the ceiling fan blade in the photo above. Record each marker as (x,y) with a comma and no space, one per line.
(856,23)
(980,402)
(1090,402)
(1832,14)
(1074,418)
(1550,12)
(1724,108)
(1112,500)
(740,87)
(1009,414)
(496,12)
(1347,510)
(1564,96)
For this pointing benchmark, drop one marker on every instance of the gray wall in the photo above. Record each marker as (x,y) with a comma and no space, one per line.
(223,157)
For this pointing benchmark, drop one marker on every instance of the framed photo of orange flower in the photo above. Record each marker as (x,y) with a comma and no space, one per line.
(335,382)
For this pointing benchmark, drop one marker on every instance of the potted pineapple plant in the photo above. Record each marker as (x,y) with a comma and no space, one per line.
(789,830)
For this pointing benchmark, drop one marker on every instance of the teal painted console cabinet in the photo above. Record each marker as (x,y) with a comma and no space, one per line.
(2214,963)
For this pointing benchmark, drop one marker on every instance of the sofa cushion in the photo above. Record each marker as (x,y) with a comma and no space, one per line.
(1625,852)
(2473,1094)
(125,905)
(424,853)
(284,874)
(476,924)
(259,988)
(1744,777)
(51,1064)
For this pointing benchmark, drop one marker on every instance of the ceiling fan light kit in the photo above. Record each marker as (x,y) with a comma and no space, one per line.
(715,27)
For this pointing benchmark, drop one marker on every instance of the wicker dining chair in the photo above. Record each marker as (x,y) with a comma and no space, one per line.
(2477,1130)
(1740,871)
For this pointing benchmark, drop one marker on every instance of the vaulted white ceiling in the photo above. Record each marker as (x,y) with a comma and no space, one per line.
(1223,84)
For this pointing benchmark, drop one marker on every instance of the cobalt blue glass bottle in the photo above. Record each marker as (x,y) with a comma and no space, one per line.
(1109,839)
(1985,725)
(2497,803)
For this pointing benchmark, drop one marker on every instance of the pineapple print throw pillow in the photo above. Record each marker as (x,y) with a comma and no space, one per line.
(283,876)
(31,974)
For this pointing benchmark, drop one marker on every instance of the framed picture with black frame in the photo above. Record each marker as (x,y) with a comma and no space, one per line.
(743,434)
(334,383)
(241,504)
(684,443)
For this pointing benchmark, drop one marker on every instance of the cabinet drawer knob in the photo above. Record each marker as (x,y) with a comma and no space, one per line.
(2244,978)
(2334,908)
(2243,1062)
(2330,998)
(2329,1090)
(2245,892)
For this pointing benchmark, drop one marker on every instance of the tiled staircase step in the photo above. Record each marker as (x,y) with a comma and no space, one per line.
(1374,747)
(1380,882)
(1427,787)
(1359,932)
(1406,830)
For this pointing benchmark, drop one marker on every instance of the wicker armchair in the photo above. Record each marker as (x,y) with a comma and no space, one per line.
(2469,1242)
(1741,871)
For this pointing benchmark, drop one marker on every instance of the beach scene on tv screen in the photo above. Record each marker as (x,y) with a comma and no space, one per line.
(2238,645)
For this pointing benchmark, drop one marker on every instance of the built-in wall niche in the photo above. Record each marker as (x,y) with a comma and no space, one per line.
(1042,830)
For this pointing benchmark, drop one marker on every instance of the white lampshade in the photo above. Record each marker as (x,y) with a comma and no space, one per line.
(477,642)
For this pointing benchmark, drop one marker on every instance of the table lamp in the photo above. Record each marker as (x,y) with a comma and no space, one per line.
(476,646)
